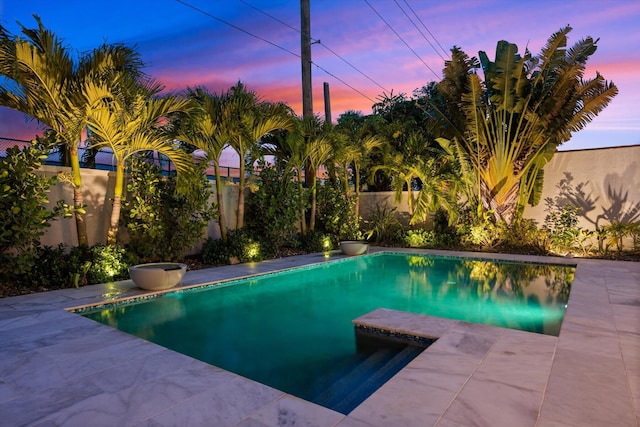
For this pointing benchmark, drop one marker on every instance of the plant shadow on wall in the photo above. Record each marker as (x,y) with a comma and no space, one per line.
(614,220)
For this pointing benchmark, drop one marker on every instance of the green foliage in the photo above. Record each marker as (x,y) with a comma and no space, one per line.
(315,241)
(506,128)
(336,215)
(617,231)
(272,211)
(524,235)
(41,268)
(382,224)
(162,223)
(482,232)
(561,223)
(238,247)
(419,238)
(108,263)
(23,197)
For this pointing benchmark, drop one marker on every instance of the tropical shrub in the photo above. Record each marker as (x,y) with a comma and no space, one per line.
(524,235)
(382,225)
(336,215)
(108,263)
(482,232)
(419,238)
(41,268)
(162,223)
(272,210)
(24,216)
(315,241)
(561,222)
(238,247)
(616,232)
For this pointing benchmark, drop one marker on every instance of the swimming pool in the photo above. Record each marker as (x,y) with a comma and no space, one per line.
(292,330)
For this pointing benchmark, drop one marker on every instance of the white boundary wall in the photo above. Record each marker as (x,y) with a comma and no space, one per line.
(608,178)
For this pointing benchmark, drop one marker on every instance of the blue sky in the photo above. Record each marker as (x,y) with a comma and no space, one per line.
(184,47)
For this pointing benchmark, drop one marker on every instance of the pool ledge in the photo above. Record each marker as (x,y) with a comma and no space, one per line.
(58,368)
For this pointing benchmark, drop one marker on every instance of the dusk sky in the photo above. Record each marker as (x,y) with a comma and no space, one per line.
(184,43)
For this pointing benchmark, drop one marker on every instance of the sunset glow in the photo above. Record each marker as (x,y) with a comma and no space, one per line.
(184,47)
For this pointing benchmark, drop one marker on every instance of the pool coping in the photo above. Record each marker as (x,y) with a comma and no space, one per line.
(60,368)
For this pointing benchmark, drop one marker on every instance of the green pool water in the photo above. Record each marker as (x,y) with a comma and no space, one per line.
(292,330)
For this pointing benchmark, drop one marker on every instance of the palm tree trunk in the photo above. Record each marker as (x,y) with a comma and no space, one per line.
(78,198)
(112,235)
(503,209)
(410,199)
(346,181)
(303,220)
(222,222)
(240,210)
(357,190)
(312,217)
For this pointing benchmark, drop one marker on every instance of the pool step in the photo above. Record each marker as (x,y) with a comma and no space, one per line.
(353,388)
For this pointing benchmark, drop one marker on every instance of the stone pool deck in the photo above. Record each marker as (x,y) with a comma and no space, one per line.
(59,368)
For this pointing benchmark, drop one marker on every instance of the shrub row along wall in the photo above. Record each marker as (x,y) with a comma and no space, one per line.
(604,182)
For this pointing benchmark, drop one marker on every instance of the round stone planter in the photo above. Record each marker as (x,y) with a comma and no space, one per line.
(157,276)
(353,247)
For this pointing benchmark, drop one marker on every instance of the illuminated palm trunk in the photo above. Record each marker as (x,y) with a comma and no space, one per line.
(78,198)
(312,216)
(503,201)
(221,216)
(112,235)
(240,210)
(303,220)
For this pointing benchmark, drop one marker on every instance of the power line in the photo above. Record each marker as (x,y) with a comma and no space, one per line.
(315,41)
(400,37)
(236,27)
(418,28)
(272,44)
(425,27)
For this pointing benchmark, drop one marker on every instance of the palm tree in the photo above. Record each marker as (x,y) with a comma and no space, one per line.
(291,148)
(422,169)
(358,143)
(319,151)
(133,122)
(509,126)
(251,120)
(43,80)
(210,132)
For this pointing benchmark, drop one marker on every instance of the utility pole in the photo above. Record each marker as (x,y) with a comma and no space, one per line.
(305,53)
(327,104)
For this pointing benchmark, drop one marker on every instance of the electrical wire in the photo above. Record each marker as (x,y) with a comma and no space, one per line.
(401,39)
(315,41)
(272,44)
(425,27)
(419,30)
(236,27)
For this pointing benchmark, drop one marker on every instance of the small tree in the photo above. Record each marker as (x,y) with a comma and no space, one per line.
(162,223)
(23,198)
(272,210)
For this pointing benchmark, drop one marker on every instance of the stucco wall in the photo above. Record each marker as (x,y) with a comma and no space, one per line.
(605,183)
(97,187)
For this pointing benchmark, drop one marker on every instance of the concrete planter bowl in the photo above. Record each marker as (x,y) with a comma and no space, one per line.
(157,276)
(354,247)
